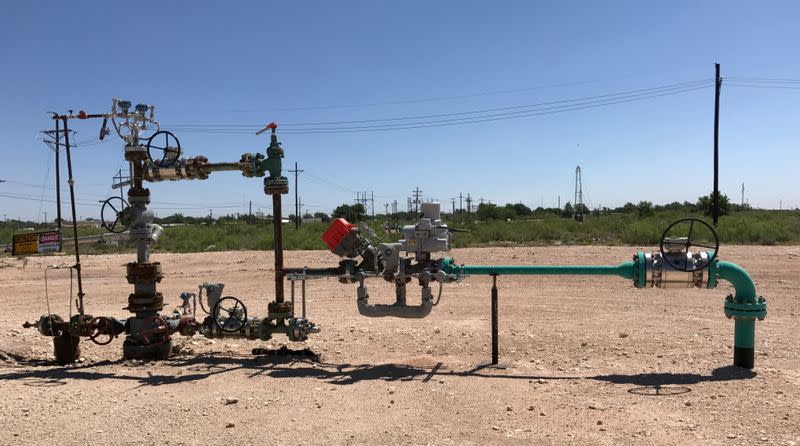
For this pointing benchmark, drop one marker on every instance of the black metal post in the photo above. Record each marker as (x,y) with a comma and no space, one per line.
(715,194)
(495,335)
(277,222)
(71,183)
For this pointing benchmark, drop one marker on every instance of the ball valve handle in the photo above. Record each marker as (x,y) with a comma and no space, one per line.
(676,250)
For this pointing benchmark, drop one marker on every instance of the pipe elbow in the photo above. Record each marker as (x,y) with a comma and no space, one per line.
(739,278)
(395,310)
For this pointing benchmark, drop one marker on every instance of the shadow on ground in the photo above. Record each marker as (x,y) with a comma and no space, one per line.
(305,364)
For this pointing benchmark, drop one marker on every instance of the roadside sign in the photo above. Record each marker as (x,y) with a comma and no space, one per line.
(36,243)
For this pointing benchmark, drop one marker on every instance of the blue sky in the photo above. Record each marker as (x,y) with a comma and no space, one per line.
(249,63)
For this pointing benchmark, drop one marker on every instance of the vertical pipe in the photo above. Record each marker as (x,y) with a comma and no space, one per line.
(715,197)
(303,295)
(71,183)
(292,278)
(744,327)
(744,339)
(495,335)
(277,223)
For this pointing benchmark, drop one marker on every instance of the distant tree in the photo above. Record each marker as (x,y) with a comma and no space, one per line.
(645,209)
(582,209)
(487,211)
(568,210)
(353,213)
(628,208)
(706,205)
(521,210)
(321,215)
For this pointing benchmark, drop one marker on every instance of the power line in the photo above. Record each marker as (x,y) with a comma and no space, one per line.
(465,117)
(430,99)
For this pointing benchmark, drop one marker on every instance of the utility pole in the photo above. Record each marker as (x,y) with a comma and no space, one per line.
(417,194)
(715,194)
(296,173)
(250,212)
(559,201)
(372,202)
(57,149)
(454,206)
(469,204)
(460,202)
(300,209)
(386,212)
(120,180)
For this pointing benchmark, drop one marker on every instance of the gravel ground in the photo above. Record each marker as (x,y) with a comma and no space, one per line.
(588,361)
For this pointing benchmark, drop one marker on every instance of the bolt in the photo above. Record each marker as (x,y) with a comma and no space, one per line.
(761,300)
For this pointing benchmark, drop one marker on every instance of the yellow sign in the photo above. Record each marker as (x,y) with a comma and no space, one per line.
(36,243)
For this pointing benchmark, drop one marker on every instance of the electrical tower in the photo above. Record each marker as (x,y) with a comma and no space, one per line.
(742,194)
(578,215)
(361,198)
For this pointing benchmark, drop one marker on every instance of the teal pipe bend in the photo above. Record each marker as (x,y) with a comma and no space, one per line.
(742,283)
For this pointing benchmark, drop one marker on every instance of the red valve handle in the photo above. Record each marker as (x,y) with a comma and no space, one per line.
(101,326)
(160,327)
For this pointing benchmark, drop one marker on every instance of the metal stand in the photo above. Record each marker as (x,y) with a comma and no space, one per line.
(495,362)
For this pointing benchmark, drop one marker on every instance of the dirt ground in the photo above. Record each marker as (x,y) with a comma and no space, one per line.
(588,360)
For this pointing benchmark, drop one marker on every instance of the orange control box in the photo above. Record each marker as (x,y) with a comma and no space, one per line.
(337,231)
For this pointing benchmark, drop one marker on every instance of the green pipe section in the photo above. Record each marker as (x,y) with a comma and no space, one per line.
(624,270)
(744,307)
